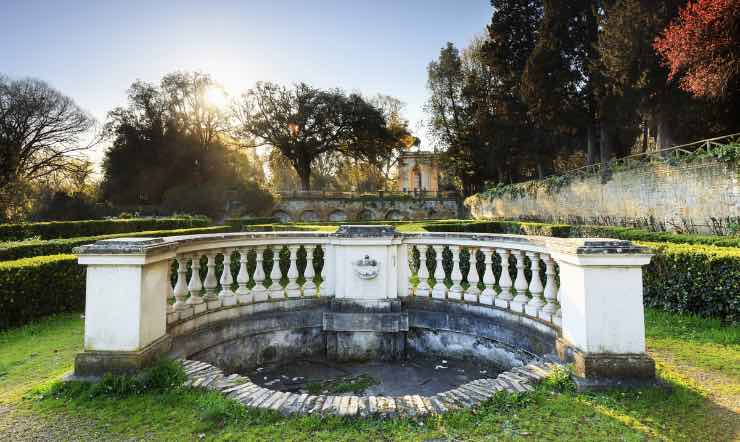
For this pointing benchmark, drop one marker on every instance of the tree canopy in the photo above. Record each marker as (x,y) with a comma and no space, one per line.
(171,148)
(555,84)
(304,123)
(701,48)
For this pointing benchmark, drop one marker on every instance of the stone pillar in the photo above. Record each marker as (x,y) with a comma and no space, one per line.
(603,326)
(125,315)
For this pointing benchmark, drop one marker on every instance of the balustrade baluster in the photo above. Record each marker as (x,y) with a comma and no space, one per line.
(309,287)
(551,289)
(520,284)
(276,289)
(423,289)
(293,290)
(169,291)
(535,286)
(181,286)
(557,318)
(259,291)
(322,284)
(227,295)
(242,278)
(440,289)
(488,294)
(471,294)
(195,286)
(210,284)
(410,263)
(504,280)
(456,289)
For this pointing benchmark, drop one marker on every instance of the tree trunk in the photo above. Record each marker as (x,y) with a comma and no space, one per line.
(664,136)
(304,173)
(645,135)
(540,169)
(605,150)
(590,144)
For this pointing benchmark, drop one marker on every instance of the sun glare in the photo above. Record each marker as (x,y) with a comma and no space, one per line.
(217,97)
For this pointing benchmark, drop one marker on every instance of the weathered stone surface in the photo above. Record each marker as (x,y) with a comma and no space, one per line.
(665,192)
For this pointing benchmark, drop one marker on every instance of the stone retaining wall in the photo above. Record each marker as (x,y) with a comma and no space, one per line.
(669,194)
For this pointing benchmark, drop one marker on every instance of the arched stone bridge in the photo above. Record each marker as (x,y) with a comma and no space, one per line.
(348,206)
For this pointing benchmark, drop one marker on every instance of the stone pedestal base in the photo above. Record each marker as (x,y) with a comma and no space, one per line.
(365,330)
(94,364)
(597,371)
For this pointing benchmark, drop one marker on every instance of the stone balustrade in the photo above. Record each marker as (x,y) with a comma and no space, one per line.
(140,291)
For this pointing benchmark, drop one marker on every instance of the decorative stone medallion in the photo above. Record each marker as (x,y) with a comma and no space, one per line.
(366,268)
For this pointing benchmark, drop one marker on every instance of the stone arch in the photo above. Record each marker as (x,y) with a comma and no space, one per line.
(366,215)
(310,216)
(394,215)
(337,215)
(282,216)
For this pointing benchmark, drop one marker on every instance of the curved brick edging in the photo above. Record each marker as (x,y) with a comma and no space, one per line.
(471,394)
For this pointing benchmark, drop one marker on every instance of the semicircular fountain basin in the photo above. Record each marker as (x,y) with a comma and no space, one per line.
(410,356)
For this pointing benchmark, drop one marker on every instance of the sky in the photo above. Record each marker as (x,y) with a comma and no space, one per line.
(93,50)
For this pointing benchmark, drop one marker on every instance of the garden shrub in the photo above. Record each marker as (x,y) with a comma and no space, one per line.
(512,227)
(72,229)
(690,278)
(31,288)
(238,224)
(25,249)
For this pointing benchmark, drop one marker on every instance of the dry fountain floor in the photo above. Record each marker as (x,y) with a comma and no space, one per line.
(425,376)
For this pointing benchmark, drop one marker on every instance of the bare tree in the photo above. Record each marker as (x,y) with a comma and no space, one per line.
(41,129)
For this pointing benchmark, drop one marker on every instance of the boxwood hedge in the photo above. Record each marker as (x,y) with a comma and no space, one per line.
(31,288)
(694,278)
(25,249)
(72,229)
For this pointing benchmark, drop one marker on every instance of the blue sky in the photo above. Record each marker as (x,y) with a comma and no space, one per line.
(93,50)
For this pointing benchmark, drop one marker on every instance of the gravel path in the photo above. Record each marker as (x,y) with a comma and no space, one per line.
(24,425)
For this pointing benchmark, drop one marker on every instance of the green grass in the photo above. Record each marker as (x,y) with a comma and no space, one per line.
(37,352)
(702,349)
(681,409)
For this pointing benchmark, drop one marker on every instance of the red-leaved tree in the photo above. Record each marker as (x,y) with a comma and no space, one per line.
(702,47)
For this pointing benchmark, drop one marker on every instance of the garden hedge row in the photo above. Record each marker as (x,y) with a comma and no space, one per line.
(692,278)
(572,231)
(72,229)
(31,288)
(27,249)
(238,224)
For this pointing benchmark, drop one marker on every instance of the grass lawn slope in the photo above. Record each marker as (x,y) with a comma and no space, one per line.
(698,362)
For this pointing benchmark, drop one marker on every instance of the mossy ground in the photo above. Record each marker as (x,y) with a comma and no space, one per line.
(697,364)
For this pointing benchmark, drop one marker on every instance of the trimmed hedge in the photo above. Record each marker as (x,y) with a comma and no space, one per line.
(31,288)
(238,224)
(73,229)
(646,235)
(26,249)
(513,227)
(691,278)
